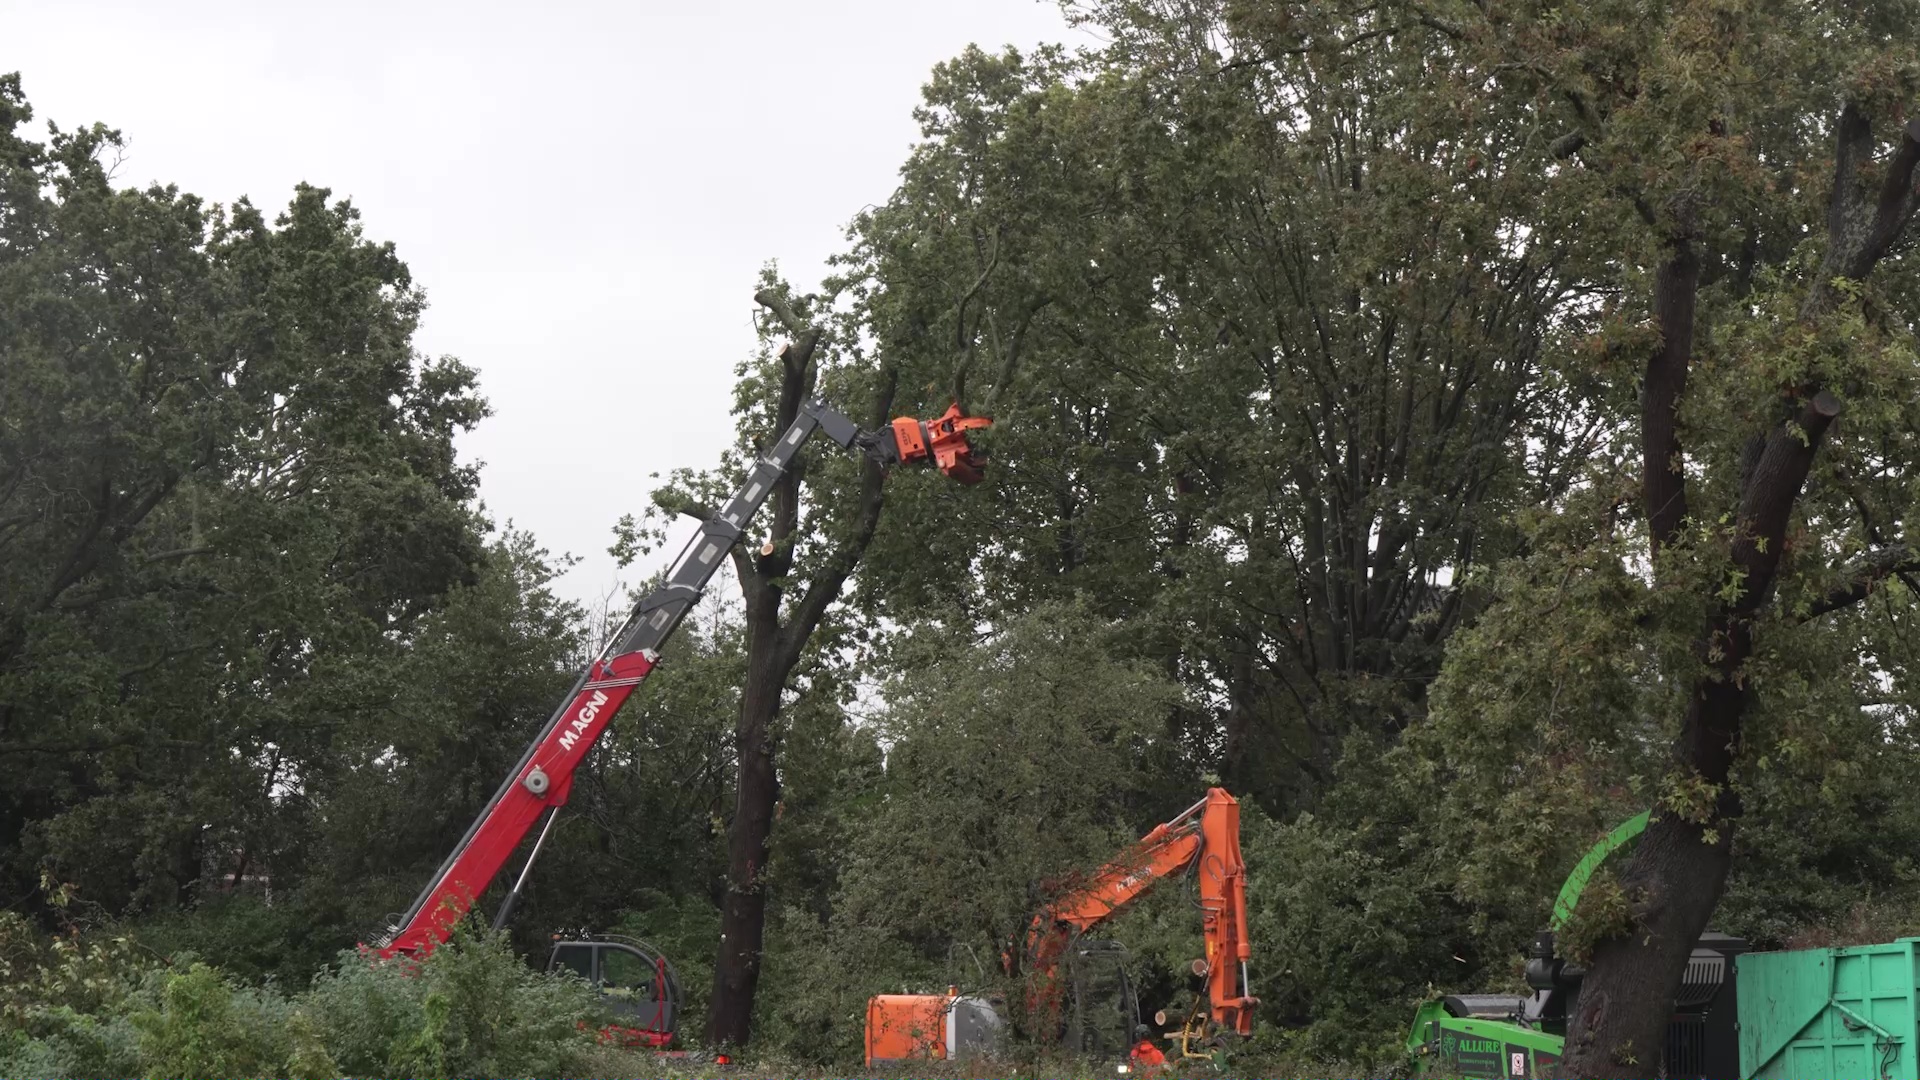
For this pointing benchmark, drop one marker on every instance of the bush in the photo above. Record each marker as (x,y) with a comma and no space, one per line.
(78,1007)
(471,1009)
(58,1042)
(251,940)
(64,1003)
(205,1026)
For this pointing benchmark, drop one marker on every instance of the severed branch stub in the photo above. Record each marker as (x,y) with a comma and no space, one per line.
(803,336)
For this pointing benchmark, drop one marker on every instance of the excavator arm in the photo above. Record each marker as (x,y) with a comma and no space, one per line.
(1203,840)
(542,781)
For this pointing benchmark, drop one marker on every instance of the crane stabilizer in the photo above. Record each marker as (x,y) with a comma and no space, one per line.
(541,783)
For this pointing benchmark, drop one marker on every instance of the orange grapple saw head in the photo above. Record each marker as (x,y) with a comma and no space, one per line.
(943,441)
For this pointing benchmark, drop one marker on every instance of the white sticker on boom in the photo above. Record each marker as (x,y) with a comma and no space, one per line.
(710,553)
(753,491)
(796,435)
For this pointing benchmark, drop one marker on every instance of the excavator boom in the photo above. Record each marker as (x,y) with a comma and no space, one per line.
(1205,840)
(540,784)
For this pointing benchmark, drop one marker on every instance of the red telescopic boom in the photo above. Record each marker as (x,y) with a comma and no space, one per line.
(540,783)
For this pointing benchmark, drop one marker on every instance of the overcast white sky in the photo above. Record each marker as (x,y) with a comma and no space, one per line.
(586,190)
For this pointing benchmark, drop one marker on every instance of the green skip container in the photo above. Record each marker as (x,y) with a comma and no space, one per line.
(1829,1014)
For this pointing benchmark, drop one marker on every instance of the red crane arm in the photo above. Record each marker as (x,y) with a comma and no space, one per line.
(543,779)
(541,784)
(1204,839)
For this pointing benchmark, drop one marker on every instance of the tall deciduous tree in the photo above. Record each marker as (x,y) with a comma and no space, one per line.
(1736,183)
(819,522)
(1747,169)
(228,498)
(1760,223)
(1268,357)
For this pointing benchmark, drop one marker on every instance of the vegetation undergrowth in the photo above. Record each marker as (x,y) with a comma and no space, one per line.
(98,1005)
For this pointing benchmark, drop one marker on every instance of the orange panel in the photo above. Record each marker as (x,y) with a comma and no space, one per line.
(910,437)
(905,1026)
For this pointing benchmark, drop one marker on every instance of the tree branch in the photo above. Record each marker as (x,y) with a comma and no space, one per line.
(782,310)
(1895,207)
(1012,360)
(825,589)
(797,353)
(796,359)
(1663,479)
(1853,146)
(1568,145)
(180,553)
(1863,577)
(1767,503)
(1859,230)
(678,502)
(963,341)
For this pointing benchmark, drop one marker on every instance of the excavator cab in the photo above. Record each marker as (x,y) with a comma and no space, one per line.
(633,978)
(1103,1008)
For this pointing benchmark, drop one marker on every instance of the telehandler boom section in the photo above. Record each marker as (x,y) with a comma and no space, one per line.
(540,784)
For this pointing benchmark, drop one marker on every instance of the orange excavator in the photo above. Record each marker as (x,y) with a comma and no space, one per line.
(1203,841)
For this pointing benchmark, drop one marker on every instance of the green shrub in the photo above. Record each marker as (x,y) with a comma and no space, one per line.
(205,1026)
(309,1059)
(363,1011)
(76,1006)
(64,1002)
(470,1009)
(88,974)
(58,1042)
(287,941)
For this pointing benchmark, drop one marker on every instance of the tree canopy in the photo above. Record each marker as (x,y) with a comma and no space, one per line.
(1453,426)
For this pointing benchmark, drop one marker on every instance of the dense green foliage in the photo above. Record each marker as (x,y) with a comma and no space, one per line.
(106,1007)
(1316,339)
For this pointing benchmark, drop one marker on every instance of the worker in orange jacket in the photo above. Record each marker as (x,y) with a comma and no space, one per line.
(1146,1057)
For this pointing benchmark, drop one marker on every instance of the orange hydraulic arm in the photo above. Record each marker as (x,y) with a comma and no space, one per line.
(1205,840)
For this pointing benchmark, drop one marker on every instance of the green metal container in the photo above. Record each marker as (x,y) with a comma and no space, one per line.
(1829,1014)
